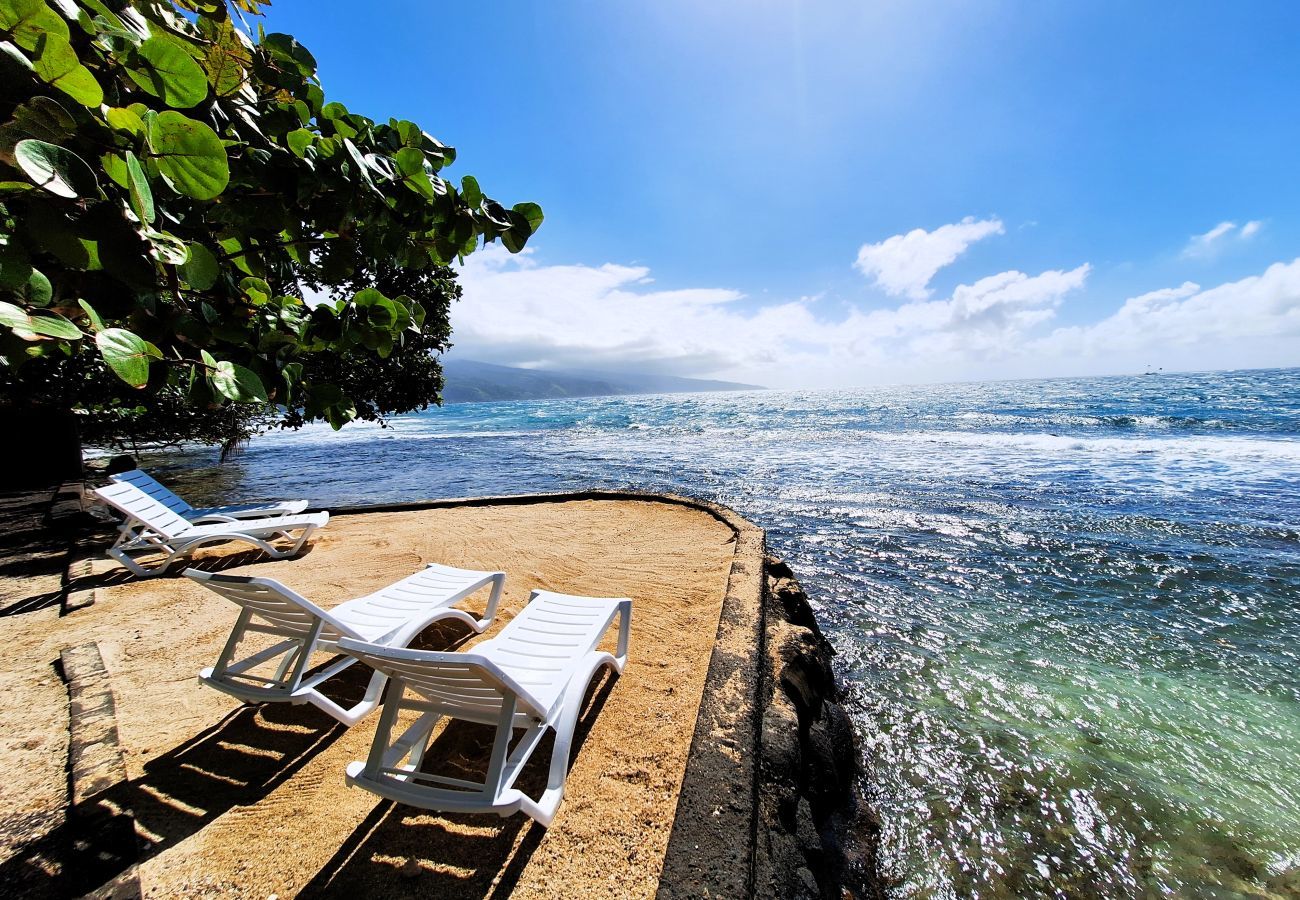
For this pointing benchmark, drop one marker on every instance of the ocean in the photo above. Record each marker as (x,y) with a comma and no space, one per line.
(1067,612)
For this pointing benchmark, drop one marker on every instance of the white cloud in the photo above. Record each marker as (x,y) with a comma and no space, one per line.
(1184,322)
(904,264)
(516,311)
(1208,245)
(520,313)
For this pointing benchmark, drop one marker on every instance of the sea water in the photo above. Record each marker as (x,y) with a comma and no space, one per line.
(1067,612)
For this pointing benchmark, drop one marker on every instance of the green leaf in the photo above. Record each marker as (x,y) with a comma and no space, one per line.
(28,20)
(43,119)
(190,156)
(167,248)
(340,414)
(56,63)
(238,383)
(289,54)
(257,290)
(532,212)
(114,165)
(470,191)
(38,290)
(162,68)
(51,324)
(58,170)
(125,120)
(299,140)
(141,195)
(227,60)
(95,321)
(15,267)
(12,316)
(410,161)
(127,354)
(200,270)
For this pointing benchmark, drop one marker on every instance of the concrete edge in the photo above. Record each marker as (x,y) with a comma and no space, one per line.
(102,835)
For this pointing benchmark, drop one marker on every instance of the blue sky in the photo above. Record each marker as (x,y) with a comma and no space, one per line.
(722,180)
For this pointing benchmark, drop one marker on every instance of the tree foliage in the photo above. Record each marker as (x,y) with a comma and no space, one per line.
(167,185)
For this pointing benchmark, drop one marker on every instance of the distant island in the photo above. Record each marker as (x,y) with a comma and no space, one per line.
(470,381)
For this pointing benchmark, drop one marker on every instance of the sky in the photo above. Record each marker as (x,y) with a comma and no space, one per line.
(841,193)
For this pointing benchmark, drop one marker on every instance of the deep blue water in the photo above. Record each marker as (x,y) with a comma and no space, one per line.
(1068,611)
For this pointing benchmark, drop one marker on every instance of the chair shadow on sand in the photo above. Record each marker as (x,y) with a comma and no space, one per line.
(400,851)
(25,570)
(214,562)
(236,762)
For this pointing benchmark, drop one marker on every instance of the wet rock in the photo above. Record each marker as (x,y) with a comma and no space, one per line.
(808,791)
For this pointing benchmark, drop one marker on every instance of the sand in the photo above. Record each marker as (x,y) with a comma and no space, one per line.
(244,801)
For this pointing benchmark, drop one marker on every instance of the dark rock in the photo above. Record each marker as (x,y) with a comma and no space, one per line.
(809,800)
(118,464)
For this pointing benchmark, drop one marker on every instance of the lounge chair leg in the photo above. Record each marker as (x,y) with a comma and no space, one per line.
(498,583)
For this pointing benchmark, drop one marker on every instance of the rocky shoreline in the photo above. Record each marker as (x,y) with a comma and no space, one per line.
(816,836)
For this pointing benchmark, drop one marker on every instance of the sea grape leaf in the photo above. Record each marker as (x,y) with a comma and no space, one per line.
(15,266)
(40,118)
(289,54)
(27,20)
(141,195)
(51,324)
(227,60)
(56,63)
(12,316)
(163,68)
(200,270)
(190,156)
(125,119)
(127,354)
(299,140)
(532,213)
(166,247)
(238,383)
(38,290)
(470,190)
(55,168)
(95,321)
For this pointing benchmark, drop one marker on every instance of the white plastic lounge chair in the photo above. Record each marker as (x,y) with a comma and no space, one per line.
(206,514)
(149,527)
(532,676)
(391,616)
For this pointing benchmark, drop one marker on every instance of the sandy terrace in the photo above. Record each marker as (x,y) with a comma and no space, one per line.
(251,801)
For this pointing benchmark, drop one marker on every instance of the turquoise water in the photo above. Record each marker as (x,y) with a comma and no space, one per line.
(1068,611)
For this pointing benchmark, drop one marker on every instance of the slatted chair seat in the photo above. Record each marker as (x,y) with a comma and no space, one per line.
(206,514)
(391,616)
(531,677)
(149,527)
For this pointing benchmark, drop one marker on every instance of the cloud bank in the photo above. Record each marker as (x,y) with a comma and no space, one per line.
(519,312)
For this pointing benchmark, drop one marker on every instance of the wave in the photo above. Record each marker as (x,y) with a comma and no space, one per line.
(1116,421)
(1254,448)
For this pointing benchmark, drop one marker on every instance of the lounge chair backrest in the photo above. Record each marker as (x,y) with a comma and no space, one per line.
(290,614)
(133,502)
(147,483)
(467,685)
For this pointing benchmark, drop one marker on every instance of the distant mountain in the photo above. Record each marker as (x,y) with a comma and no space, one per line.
(469,381)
